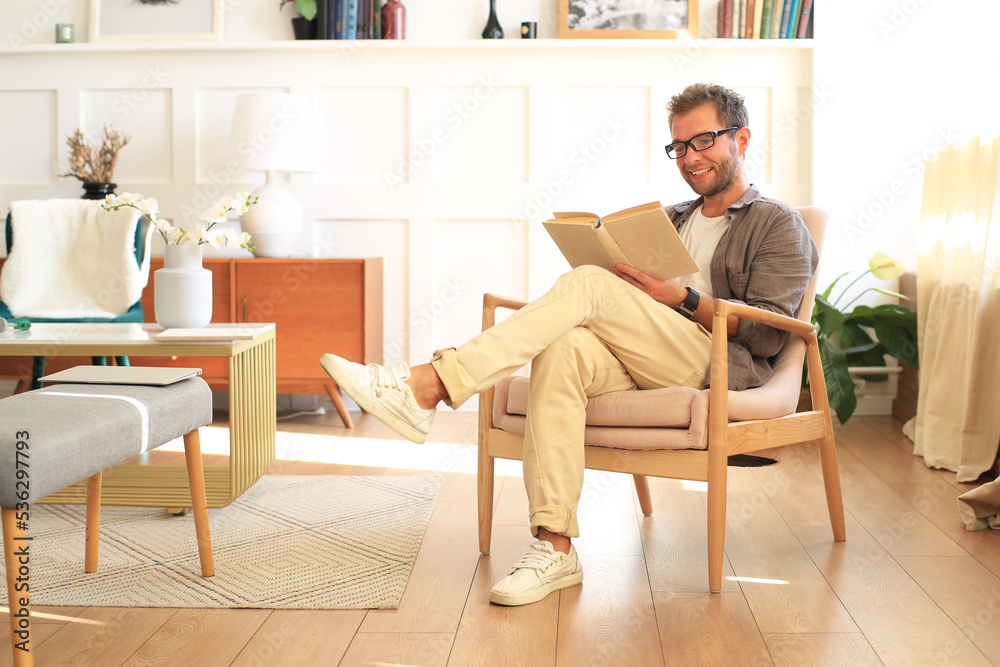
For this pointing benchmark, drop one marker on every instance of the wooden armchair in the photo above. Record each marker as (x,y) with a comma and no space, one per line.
(722,428)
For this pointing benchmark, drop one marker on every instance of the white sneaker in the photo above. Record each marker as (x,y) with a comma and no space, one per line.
(540,571)
(383,392)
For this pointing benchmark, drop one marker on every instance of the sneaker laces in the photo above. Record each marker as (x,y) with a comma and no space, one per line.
(393,377)
(537,559)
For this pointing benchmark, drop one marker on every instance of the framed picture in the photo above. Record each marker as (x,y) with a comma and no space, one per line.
(155,20)
(628,19)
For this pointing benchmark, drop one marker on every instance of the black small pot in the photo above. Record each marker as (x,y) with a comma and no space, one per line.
(303,28)
(98,190)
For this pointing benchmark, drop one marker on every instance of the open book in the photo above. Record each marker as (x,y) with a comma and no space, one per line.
(641,236)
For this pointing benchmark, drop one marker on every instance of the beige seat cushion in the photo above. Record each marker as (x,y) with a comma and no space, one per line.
(670,418)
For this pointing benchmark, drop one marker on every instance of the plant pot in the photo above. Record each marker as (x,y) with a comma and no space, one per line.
(182,289)
(303,28)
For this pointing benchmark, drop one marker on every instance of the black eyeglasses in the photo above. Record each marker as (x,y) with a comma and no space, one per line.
(701,142)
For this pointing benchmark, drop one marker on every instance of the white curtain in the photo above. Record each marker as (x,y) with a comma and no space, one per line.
(958,310)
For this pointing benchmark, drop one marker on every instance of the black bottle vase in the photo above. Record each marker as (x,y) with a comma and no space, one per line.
(493,29)
(97,190)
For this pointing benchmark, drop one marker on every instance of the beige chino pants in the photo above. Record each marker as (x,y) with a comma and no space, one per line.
(590,334)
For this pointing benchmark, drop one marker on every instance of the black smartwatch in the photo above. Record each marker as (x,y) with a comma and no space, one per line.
(689,304)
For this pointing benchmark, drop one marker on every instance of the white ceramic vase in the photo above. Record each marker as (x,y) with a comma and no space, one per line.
(182,289)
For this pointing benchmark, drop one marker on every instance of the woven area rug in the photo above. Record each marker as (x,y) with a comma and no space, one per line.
(307,542)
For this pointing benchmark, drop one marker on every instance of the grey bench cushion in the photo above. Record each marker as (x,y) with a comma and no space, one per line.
(76,430)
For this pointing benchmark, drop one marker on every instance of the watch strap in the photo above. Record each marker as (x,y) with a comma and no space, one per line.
(689,304)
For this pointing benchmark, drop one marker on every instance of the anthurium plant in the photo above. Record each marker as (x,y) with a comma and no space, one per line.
(845,336)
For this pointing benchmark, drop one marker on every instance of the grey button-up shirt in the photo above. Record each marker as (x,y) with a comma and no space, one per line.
(766,260)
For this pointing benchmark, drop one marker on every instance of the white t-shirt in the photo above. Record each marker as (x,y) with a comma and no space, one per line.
(701,235)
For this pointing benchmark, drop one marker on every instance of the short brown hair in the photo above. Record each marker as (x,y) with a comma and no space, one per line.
(728,103)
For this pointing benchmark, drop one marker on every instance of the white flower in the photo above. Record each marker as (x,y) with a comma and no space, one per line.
(173,237)
(163,226)
(218,212)
(884,267)
(217,237)
(149,206)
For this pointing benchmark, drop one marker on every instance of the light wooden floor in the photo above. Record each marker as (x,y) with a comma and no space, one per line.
(909,587)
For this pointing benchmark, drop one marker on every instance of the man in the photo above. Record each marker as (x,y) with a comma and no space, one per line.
(596,331)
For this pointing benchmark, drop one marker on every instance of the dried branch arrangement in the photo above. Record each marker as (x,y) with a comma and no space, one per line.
(94,163)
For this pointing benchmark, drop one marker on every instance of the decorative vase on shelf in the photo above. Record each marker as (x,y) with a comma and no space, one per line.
(493,29)
(182,289)
(98,190)
(393,20)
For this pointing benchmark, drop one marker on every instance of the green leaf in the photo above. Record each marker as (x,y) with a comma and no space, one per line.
(888,313)
(839,386)
(860,348)
(900,342)
(826,317)
(306,8)
(889,292)
(826,293)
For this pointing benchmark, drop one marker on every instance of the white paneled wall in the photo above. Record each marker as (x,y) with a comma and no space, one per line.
(444,159)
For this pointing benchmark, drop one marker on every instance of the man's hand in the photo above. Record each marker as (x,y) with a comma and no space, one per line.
(668,292)
(671,293)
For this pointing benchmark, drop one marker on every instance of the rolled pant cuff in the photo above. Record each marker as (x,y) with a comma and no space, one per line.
(456,381)
(555,518)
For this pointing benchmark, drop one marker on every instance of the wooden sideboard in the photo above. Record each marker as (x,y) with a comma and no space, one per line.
(317,305)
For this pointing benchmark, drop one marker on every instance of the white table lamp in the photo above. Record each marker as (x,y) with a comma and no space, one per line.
(273,132)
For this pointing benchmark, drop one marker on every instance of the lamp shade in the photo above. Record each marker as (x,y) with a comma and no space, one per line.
(273,131)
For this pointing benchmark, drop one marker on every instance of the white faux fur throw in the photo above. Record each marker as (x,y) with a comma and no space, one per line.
(72,259)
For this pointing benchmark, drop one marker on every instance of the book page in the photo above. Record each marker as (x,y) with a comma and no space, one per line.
(581,243)
(650,241)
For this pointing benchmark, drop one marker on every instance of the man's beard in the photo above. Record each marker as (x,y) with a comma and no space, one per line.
(726,175)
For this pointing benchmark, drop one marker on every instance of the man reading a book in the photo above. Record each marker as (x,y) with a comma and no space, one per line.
(598,331)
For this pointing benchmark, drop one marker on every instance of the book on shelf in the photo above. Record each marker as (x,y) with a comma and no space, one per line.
(805,20)
(765,19)
(758,15)
(320,18)
(640,236)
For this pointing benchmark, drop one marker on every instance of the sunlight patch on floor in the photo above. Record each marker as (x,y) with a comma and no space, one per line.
(374,452)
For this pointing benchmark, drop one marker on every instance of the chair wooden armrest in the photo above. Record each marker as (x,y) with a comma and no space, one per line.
(776,320)
(490,304)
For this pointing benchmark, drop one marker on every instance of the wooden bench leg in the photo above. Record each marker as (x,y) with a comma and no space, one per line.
(199,504)
(338,402)
(642,490)
(93,523)
(15,541)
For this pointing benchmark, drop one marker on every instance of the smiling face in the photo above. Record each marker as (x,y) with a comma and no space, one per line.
(715,173)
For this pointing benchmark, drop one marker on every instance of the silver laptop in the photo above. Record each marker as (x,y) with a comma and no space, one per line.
(153,375)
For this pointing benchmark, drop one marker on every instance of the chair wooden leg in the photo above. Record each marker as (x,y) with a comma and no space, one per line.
(199,503)
(15,541)
(93,523)
(484,485)
(831,480)
(340,404)
(717,480)
(642,490)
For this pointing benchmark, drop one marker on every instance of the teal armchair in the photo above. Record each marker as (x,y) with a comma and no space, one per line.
(133,314)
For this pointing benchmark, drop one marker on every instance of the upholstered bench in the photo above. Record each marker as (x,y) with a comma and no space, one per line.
(57,436)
